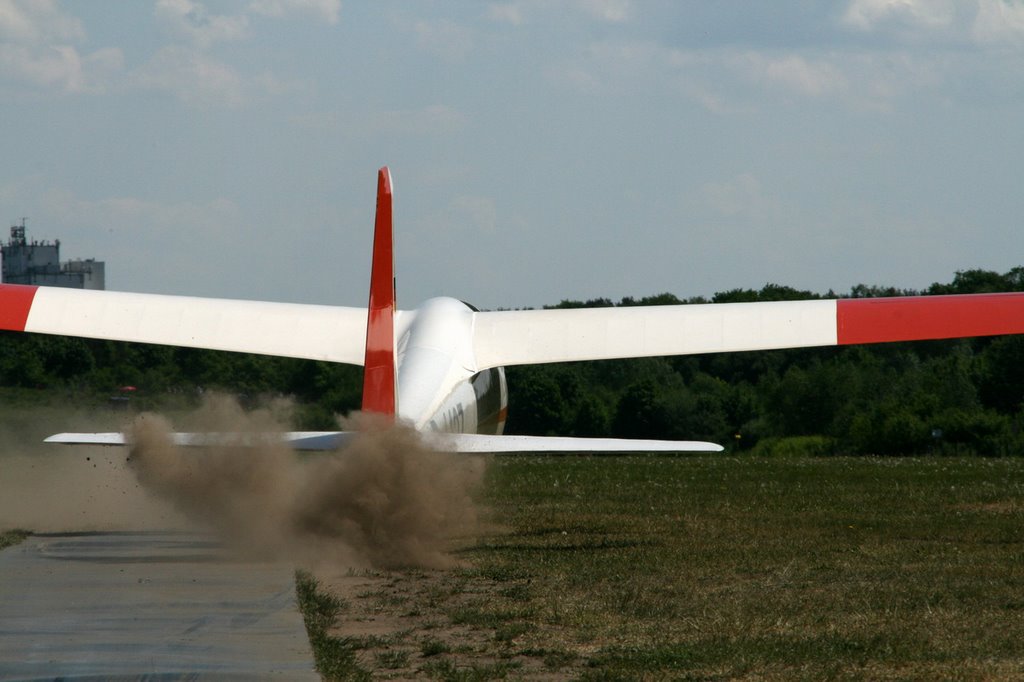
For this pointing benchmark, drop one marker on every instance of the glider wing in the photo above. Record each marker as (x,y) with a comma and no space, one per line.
(523,337)
(314,332)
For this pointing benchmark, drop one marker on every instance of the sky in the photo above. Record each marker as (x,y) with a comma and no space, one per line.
(540,149)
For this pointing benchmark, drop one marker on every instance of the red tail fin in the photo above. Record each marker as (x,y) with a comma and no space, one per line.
(379,367)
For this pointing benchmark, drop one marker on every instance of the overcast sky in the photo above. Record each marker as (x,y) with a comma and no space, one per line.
(540,149)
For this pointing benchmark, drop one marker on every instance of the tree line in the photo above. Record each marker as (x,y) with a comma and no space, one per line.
(950,396)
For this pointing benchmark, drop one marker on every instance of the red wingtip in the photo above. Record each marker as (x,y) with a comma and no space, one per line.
(379,368)
(875,320)
(15,304)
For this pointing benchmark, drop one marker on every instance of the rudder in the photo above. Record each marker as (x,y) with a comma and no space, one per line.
(380,393)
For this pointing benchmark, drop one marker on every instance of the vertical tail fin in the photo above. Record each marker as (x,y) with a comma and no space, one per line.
(379,369)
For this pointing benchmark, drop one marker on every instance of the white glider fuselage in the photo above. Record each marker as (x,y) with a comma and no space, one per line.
(439,387)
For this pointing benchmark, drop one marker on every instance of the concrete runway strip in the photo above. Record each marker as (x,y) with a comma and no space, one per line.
(146,605)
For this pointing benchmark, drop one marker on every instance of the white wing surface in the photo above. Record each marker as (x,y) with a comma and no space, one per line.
(314,332)
(537,336)
(524,337)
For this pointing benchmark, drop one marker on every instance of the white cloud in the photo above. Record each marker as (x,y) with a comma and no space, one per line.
(608,66)
(720,79)
(61,68)
(714,102)
(610,11)
(928,14)
(999,22)
(477,214)
(518,12)
(798,74)
(192,77)
(37,21)
(320,121)
(860,79)
(135,215)
(434,119)
(740,197)
(446,39)
(328,10)
(37,49)
(577,76)
(505,12)
(981,22)
(192,21)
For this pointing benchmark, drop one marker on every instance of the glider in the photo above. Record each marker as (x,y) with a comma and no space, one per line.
(440,367)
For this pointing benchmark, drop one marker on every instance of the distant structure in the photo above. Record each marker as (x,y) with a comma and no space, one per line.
(39,263)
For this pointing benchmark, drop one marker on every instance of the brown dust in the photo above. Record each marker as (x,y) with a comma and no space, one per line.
(49,488)
(383,500)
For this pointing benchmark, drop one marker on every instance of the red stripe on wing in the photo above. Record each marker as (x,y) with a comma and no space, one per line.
(875,320)
(15,303)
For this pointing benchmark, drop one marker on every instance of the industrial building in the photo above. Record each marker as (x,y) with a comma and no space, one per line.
(38,262)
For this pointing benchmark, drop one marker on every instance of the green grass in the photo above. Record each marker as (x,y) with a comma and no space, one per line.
(447,671)
(12,537)
(393,659)
(335,658)
(433,647)
(782,568)
(713,568)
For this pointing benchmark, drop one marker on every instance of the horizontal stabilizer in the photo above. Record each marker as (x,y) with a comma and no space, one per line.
(87,439)
(444,442)
(299,440)
(481,443)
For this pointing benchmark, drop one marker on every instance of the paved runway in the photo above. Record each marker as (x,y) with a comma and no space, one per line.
(152,605)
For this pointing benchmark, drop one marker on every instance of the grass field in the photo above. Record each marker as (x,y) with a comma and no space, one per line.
(711,568)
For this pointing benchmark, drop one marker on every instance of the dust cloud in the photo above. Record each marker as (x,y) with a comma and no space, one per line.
(57,488)
(384,500)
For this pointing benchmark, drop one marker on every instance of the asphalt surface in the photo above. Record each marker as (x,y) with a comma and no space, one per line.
(146,605)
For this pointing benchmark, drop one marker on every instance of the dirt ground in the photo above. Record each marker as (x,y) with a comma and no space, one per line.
(411,624)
